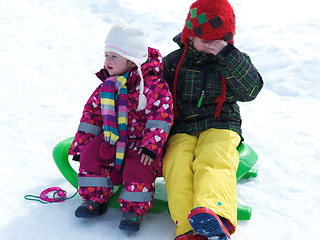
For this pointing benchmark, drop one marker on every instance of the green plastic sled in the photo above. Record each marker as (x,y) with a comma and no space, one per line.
(248,158)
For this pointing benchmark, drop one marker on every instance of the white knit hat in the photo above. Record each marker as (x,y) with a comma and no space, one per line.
(131,43)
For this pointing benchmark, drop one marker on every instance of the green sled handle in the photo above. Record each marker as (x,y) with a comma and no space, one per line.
(248,157)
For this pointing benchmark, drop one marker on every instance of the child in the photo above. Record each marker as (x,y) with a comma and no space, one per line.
(207,76)
(124,127)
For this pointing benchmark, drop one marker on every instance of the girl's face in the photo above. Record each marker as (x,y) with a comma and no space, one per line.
(117,65)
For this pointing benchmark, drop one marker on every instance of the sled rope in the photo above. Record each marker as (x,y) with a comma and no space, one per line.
(59,195)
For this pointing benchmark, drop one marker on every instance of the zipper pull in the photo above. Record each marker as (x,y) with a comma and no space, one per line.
(201,98)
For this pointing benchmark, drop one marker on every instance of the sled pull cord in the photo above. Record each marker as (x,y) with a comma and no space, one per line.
(43,198)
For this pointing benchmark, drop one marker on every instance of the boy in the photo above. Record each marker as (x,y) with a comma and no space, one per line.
(207,76)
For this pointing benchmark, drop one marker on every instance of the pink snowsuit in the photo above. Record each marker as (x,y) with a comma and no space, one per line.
(147,129)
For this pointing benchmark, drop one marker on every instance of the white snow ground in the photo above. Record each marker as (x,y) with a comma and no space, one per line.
(49,52)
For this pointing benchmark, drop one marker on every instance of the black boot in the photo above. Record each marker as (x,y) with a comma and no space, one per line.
(90,209)
(130,221)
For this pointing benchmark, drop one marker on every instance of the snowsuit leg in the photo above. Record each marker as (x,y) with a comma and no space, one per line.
(93,178)
(178,176)
(139,184)
(214,160)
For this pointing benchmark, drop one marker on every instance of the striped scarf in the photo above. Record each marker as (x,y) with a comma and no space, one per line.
(114,110)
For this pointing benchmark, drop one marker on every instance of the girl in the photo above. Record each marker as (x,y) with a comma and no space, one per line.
(124,128)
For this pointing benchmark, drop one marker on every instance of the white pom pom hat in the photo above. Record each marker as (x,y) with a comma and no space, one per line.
(131,43)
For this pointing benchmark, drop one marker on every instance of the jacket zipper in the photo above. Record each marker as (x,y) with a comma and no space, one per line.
(204,86)
(201,98)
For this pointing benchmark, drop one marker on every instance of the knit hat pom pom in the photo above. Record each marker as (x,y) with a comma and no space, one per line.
(121,25)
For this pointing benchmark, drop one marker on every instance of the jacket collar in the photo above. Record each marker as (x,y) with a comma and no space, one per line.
(132,80)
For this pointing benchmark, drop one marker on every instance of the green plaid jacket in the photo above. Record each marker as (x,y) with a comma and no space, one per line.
(201,75)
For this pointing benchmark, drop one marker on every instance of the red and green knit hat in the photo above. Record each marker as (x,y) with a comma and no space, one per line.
(208,20)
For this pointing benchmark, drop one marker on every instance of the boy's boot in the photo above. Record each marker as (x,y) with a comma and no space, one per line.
(191,235)
(130,221)
(90,209)
(207,223)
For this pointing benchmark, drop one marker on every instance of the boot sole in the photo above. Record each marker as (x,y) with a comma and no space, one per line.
(129,228)
(85,215)
(207,223)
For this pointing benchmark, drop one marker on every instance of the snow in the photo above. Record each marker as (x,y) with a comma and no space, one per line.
(49,52)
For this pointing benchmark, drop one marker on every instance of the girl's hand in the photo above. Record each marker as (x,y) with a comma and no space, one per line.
(215,46)
(145,159)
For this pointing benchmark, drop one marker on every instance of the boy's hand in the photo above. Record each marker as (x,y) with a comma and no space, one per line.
(145,159)
(215,46)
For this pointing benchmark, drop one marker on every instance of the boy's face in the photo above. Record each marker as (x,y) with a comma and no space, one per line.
(208,47)
(199,45)
(115,64)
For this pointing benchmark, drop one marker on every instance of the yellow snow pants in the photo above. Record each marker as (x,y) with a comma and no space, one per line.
(200,171)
